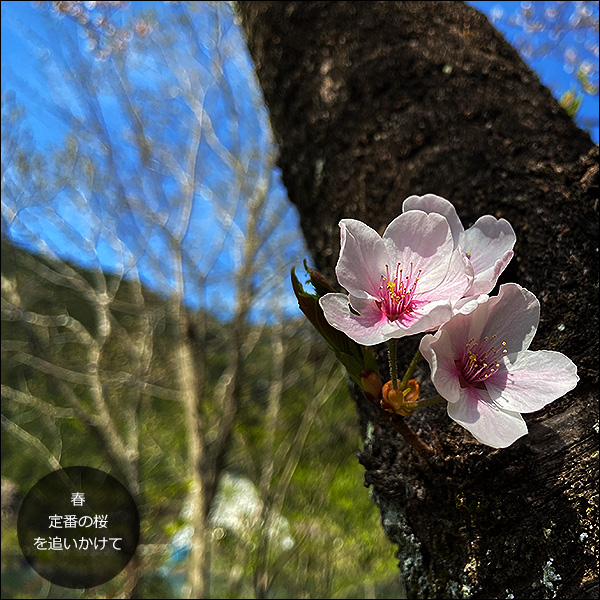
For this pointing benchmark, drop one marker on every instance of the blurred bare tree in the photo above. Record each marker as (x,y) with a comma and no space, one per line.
(156,304)
(170,184)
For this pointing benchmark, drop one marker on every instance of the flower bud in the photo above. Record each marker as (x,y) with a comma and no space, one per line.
(401,402)
(371,384)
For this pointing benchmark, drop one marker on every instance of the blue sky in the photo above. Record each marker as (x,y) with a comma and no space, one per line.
(40,64)
(552,68)
(45,60)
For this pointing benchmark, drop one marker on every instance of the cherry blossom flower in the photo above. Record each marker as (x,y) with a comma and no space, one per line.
(403,283)
(488,244)
(480,364)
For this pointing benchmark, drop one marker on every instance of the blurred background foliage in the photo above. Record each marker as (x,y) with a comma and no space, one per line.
(324,534)
(149,327)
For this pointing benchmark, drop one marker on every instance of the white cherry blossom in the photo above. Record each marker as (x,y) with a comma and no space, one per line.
(481,364)
(404,282)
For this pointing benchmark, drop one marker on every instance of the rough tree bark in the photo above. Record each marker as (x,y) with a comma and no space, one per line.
(371,102)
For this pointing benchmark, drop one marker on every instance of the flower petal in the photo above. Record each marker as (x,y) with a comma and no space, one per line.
(532,380)
(489,424)
(485,282)
(425,318)
(458,280)
(460,329)
(489,244)
(437,351)
(367,329)
(469,303)
(362,259)
(422,241)
(512,316)
(430,203)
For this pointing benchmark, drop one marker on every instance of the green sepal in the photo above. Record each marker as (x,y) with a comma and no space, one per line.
(355,357)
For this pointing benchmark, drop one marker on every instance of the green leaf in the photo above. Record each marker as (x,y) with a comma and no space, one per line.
(355,357)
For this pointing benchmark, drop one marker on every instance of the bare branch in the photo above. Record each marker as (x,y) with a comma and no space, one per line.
(32,442)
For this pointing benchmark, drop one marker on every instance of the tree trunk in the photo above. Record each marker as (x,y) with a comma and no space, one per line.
(371,102)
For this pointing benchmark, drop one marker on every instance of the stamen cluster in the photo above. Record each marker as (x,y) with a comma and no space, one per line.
(479,360)
(396,295)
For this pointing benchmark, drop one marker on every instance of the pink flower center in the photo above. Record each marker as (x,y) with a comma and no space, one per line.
(479,361)
(396,295)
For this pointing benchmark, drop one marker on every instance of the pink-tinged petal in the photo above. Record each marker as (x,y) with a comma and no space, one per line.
(489,245)
(487,241)
(425,318)
(364,305)
(531,380)
(423,241)
(486,281)
(469,304)
(430,203)
(367,329)
(512,316)
(458,280)
(462,327)
(362,259)
(487,423)
(437,351)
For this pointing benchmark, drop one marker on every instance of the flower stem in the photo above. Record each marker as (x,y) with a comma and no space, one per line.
(410,370)
(393,364)
(411,437)
(429,401)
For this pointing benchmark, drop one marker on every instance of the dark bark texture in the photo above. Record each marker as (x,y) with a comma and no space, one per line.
(371,102)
